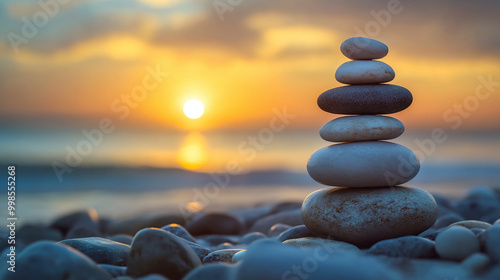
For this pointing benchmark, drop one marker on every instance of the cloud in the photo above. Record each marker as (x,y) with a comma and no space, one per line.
(283,29)
(92,20)
(21,9)
(292,40)
(161,3)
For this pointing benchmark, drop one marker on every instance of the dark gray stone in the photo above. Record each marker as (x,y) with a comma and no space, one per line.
(490,241)
(431,233)
(286,206)
(442,210)
(250,215)
(159,251)
(32,233)
(278,229)
(216,239)
(291,217)
(447,220)
(296,232)
(47,260)
(102,251)
(114,270)
(476,207)
(104,224)
(491,217)
(408,247)
(200,251)
(251,237)
(83,229)
(481,192)
(179,231)
(363,48)
(227,245)
(441,200)
(89,218)
(132,226)
(215,223)
(122,238)
(365,99)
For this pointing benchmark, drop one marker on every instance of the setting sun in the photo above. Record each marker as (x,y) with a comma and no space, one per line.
(193,109)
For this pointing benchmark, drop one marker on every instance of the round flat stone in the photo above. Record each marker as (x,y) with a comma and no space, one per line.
(364,216)
(365,99)
(361,128)
(363,48)
(364,72)
(363,164)
(456,243)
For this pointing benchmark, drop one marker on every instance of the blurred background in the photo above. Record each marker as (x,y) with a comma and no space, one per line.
(93,97)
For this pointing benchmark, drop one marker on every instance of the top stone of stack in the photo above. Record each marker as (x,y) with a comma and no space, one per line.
(360,48)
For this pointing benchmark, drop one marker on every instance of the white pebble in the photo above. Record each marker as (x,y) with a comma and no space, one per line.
(456,243)
(359,72)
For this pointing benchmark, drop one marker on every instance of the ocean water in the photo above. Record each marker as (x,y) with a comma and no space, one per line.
(133,172)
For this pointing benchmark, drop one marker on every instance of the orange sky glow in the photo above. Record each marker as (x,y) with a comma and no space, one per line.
(291,61)
(257,57)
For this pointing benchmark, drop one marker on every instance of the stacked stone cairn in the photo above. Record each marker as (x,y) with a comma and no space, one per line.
(368,203)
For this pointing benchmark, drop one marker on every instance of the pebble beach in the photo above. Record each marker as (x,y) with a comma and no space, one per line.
(268,241)
(364,222)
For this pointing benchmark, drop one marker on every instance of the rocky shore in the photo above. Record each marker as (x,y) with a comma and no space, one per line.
(263,242)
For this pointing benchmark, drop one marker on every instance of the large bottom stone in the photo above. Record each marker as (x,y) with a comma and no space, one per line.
(363,216)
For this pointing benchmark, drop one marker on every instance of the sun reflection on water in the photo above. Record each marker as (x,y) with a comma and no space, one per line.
(193,153)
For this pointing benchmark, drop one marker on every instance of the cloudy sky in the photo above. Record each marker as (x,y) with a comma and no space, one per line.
(71,62)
